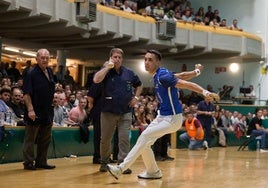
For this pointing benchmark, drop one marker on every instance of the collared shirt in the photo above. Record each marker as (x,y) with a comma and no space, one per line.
(41,90)
(166,92)
(204,106)
(118,90)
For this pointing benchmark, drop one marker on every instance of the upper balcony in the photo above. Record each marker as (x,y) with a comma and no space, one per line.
(33,24)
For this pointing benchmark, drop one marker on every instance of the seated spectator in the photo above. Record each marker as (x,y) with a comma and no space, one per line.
(78,114)
(114,4)
(223,23)
(58,112)
(158,11)
(170,16)
(187,17)
(252,92)
(16,104)
(141,5)
(199,16)
(225,92)
(214,22)
(249,96)
(71,103)
(149,9)
(63,103)
(264,114)
(194,134)
(235,26)
(222,130)
(126,7)
(255,128)
(206,21)
(5,93)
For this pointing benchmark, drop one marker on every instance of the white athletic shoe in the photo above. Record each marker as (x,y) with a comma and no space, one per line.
(115,170)
(205,145)
(263,150)
(146,175)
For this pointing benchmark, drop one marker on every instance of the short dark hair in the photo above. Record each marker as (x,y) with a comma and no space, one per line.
(156,53)
(5,90)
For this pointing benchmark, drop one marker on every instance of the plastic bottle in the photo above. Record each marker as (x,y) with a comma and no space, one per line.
(12,119)
(258,145)
(8,118)
(2,118)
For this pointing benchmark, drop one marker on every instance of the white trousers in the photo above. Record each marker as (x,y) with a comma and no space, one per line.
(160,126)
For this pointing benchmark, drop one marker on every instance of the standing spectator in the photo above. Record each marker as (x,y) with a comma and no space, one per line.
(60,74)
(209,13)
(216,16)
(38,89)
(68,79)
(118,99)
(27,68)
(194,134)
(170,114)
(3,72)
(205,112)
(13,72)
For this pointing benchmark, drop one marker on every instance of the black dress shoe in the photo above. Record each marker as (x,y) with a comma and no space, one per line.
(112,161)
(29,167)
(95,161)
(127,171)
(168,158)
(45,166)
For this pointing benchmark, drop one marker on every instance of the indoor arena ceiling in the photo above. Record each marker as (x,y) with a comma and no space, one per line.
(19,29)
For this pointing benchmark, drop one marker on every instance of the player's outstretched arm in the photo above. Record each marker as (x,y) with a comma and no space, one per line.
(187,75)
(183,84)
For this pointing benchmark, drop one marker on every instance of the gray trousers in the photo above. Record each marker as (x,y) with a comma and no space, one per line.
(109,122)
(41,135)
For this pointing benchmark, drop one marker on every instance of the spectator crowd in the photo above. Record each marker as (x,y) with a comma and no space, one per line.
(173,10)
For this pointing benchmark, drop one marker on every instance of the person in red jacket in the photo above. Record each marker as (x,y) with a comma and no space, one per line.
(194,134)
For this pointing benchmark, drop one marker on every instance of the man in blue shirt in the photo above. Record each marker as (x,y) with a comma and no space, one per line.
(169,119)
(121,89)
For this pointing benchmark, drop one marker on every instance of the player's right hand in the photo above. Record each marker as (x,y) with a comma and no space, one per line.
(214,97)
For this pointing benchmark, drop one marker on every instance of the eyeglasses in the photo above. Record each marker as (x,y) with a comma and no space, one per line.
(158,54)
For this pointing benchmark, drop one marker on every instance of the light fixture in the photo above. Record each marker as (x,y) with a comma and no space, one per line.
(33,54)
(11,49)
(234,67)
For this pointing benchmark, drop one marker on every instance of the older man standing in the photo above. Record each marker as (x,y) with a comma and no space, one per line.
(38,89)
(121,90)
